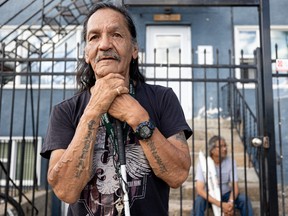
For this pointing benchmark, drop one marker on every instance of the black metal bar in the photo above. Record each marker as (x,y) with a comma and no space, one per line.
(35,129)
(47,164)
(269,154)
(211,66)
(168,66)
(2,82)
(65,72)
(219,128)
(206,127)
(280,140)
(10,140)
(245,122)
(260,123)
(4,2)
(25,21)
(23,144)
(19,12)
(180,99)
(193,139)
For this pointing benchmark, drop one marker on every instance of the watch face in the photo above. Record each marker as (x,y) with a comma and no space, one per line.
(145,132)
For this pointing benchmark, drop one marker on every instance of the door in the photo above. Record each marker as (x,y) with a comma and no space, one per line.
(170,46)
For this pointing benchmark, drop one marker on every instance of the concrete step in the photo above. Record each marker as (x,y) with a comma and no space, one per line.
(188,190)
(175,208)
(240,159)
(211,123)
(199,141)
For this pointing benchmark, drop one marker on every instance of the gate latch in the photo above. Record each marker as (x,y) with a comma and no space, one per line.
(266,143)
(261,141)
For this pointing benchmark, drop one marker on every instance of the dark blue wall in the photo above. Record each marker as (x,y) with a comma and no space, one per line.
(18,117)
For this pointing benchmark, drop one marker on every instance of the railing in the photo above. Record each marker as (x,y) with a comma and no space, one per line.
(244,121)
(62,17)
(18,173)
(31,85)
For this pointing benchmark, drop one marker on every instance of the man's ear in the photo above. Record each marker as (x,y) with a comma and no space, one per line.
(135,51)
(86,55)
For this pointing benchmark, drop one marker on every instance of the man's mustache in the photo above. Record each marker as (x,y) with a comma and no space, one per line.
(107,54)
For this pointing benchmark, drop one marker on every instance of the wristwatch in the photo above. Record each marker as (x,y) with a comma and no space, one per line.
(144,130)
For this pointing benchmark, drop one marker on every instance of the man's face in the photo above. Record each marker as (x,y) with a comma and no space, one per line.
(109,47)
(220,148)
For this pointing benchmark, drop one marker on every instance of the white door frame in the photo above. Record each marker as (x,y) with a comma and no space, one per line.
(172,37)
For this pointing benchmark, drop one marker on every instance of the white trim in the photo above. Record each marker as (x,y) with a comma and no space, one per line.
(237,29)
(26,182)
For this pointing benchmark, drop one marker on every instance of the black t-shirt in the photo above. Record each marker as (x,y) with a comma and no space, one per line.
(148,195)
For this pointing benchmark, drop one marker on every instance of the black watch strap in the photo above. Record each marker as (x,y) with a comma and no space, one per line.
(144,130)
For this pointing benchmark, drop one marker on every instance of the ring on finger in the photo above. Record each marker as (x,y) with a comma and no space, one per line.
(118,91)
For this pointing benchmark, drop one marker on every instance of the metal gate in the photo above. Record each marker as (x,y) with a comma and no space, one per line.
(32,84)
(225,104)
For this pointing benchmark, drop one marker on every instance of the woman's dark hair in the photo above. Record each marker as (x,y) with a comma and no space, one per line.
(85,74)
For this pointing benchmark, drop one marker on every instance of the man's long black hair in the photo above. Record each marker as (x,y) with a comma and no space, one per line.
(85,74)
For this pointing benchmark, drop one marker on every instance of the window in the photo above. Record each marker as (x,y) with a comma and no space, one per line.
(247,73)
(247,39)
(31,150)
(246,42)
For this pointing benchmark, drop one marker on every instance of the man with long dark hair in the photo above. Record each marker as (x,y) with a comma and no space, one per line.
(81,139)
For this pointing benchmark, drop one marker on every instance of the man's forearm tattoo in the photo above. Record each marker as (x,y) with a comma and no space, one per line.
(153,149)
(87,143)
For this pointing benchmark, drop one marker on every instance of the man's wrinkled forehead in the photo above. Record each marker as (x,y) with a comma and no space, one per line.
(219,142)
(107,16)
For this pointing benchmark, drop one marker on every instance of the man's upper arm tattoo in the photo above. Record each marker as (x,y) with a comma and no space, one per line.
(181,137)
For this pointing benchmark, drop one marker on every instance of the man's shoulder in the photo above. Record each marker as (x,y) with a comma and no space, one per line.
(74,104)
(79,97)
(153,88)
(228,160)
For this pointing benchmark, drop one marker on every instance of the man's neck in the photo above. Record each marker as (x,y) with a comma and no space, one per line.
(217,160)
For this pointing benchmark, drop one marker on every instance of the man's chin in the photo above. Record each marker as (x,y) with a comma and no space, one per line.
(104,72)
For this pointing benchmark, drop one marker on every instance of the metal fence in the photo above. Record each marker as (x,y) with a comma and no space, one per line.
(216,99)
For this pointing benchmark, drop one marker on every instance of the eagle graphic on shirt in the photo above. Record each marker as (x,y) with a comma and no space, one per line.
(103,191)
